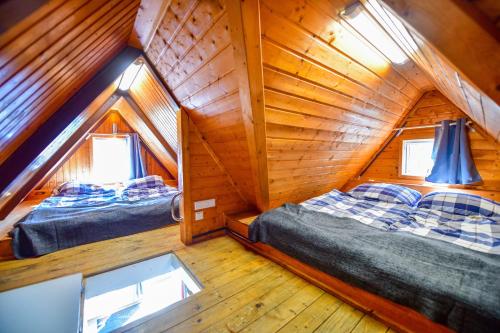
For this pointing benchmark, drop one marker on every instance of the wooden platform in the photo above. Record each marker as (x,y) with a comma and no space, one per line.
(243,292)
(393,314)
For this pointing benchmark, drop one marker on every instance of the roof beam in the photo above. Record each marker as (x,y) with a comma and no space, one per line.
(61,119)
(246,39)
(461,34)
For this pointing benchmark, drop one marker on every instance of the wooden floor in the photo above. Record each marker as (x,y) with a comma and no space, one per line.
(243,292)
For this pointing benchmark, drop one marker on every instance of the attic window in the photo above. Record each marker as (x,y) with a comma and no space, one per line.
(111,159)
(417,157)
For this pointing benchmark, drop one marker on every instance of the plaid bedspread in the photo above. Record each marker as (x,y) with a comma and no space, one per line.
(106,197)
(476,232)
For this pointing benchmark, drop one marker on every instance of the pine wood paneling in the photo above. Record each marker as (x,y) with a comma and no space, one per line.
(192,51)
(432,108)
(78,166)
(155,103)
(51,54)
(330,99)
(204,177)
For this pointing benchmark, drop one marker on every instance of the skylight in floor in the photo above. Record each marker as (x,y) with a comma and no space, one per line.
(117,298)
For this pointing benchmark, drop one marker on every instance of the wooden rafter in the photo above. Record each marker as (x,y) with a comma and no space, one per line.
(246,38)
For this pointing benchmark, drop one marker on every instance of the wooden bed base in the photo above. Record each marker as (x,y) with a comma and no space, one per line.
(394,315)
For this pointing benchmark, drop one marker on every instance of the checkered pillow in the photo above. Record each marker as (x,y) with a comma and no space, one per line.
(386,193)
(460,204)
(145,182)
(77,188)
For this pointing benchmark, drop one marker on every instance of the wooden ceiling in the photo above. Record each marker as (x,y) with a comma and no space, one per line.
(50,55)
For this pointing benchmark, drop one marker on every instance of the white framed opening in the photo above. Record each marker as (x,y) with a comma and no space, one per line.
(111,158)
(416,158)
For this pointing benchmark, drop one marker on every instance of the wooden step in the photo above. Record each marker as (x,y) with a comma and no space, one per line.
(238,223)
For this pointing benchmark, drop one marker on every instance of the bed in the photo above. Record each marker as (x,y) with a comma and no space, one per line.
(80,213)
(438,255)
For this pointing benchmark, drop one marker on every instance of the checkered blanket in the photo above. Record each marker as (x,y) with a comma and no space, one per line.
(471,224)
(77,194)
(466,220)
(379,214)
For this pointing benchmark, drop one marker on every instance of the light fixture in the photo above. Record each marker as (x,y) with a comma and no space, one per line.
(130,75)
(363,23)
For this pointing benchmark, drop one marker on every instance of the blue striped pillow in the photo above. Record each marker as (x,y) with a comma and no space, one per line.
(460,204)
(386,193)
(145,182)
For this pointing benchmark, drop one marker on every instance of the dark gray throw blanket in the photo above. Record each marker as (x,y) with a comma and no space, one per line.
(451,285)
(48,229)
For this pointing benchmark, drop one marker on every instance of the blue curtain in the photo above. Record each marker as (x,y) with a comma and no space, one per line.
(138,169)
(453,163)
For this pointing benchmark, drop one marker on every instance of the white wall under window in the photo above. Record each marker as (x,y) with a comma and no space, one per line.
(111,160)
(417,157)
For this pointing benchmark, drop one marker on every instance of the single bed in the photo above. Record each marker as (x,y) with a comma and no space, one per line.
(439,257)
(83,213)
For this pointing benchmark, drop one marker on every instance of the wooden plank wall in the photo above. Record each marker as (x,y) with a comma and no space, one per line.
(48,56)
(330,99)
(202,176)
(432,108)
(444,75)
(192,51)
(78,165)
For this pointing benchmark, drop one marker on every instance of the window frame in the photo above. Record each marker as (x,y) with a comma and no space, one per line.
(402,157)
(91,148)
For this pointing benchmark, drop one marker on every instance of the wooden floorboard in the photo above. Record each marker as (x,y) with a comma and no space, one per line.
(243,292)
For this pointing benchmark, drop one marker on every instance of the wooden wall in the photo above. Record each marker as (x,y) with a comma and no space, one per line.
(330,100)
(432,108)
(202,176)
(78,165)
(48,56)
(192,51)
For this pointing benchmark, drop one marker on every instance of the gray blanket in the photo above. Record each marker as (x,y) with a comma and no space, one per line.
(46,230)
(451,285)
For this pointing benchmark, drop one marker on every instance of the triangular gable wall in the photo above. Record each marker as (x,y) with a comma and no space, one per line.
(77,166)
(432,108)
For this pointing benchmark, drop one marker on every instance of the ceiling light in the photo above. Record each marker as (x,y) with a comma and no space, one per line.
(129,75)
(361,21)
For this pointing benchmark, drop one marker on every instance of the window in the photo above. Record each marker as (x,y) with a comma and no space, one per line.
(417,157)
(111,160)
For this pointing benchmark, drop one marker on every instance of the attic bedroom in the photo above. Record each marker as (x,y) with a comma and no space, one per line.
(249,166)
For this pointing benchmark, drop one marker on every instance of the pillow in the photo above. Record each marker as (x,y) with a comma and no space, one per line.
(460,204)
(145,182)
(386,193)
(77,188)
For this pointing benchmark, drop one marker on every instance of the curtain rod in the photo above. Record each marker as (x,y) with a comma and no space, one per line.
(468,123)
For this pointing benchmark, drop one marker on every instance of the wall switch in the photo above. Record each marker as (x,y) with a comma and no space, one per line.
(198,215)
(204,204)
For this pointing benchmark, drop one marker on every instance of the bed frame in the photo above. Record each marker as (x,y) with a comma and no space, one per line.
(394,315)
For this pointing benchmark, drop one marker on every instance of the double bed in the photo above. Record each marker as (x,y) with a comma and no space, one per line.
(438,255)
(80,213)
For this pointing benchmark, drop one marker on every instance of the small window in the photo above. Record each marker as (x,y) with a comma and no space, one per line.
(417,157)
(111,160)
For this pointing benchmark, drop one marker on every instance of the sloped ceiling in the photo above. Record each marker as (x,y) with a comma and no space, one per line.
(50,55)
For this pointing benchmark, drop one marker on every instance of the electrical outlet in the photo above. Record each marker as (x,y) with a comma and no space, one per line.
(204,204)
(198,215)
